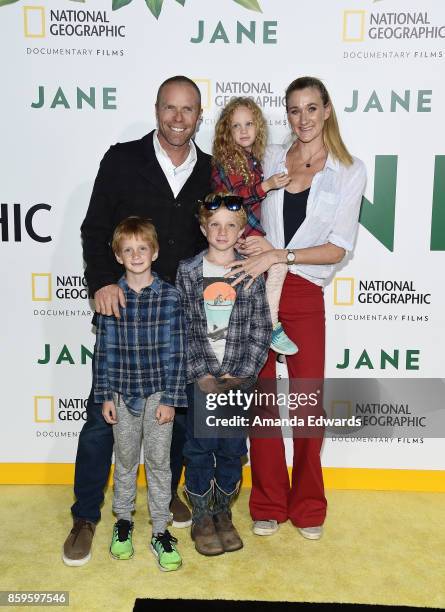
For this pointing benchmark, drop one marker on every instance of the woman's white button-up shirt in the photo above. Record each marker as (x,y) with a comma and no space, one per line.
(332,211)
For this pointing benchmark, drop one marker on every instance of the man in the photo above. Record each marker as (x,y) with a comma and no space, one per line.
(161,176)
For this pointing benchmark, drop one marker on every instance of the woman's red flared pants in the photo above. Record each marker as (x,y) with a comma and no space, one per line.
(273,497)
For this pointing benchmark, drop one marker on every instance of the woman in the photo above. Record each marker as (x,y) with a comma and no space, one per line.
(310,226)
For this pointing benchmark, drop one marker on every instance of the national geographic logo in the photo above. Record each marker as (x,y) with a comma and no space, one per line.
(219,93)
(377,292)
(260,92)
(359,26)
(41,287)
(72,23)
(351,292)
(342,409)
(49,287)
(354,26)
(44,409)
(49,409)
(205,87)
(383,413)
(34,23)
(344,291)
(66,287)
(63,411)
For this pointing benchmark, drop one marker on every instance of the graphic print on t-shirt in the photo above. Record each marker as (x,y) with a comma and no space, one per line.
(219,297)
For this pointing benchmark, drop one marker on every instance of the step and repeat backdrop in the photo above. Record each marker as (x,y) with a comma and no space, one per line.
(77,77)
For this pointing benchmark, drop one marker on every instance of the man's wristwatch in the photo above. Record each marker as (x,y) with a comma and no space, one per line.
(290,257)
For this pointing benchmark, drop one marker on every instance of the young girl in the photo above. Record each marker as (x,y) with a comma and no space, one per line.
(238,148)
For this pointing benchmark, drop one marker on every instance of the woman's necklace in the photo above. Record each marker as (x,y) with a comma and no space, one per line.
(308,163)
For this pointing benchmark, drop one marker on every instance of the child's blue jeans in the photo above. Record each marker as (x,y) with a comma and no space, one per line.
(208,459)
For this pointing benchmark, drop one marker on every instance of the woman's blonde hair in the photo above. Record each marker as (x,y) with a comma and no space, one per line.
(229,155)
(331,132)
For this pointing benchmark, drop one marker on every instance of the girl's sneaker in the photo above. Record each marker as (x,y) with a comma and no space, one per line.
(164,549)
(281,343)
(121,544)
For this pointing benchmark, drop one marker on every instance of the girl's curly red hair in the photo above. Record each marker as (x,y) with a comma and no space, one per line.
(229,155)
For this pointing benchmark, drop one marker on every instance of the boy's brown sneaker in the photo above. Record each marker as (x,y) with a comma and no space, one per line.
(77,546)
(227,533)
(181,515)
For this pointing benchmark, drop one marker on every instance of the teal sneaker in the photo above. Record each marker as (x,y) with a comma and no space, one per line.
(121,544)
(164,549)
(281,343)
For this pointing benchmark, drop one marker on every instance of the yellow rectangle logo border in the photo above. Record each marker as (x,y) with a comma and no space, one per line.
(26,10)
(33,288)
(337,403)
(36,408)
(351,281)
(345,37)
(208,82)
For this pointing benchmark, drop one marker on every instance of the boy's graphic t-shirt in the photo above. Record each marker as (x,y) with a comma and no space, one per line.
(219,298)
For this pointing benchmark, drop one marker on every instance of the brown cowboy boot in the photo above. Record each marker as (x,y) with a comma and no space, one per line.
(203,529)
(222,518)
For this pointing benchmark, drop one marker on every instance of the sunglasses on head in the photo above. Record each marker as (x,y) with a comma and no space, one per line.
(231,202)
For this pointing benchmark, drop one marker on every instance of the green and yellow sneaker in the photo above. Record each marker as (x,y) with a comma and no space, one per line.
(164,549)
(121,545)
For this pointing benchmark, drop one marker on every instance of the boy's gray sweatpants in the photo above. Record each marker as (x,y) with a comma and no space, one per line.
(128,433)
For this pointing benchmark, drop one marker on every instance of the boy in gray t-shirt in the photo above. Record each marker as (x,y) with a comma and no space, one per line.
(228,336)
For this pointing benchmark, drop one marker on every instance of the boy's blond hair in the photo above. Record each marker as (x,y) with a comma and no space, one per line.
(204,215)
(137,227)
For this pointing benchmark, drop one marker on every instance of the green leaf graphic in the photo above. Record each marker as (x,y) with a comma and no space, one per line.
(252,5)
(155,6)
(117,4)
(181,2)
(5,2)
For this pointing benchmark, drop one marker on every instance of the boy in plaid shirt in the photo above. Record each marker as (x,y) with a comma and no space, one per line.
(228,337)
(138,374)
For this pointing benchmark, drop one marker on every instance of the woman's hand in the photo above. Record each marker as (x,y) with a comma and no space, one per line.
(254,245)
(251,268)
